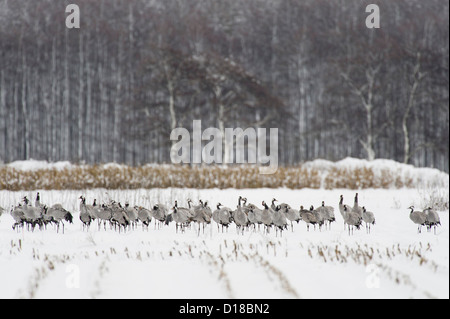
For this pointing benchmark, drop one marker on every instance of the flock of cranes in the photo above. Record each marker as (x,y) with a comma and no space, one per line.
(245,216)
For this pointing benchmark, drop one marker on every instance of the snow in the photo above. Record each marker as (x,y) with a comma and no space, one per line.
(161,263)
(419,176)
(34,165)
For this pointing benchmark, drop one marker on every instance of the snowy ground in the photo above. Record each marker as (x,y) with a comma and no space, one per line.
(394,261)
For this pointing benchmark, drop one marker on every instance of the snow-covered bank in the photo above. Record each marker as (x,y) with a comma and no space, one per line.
(394,261)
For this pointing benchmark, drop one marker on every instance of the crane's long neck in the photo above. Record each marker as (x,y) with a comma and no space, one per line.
(356,200)
(341,201)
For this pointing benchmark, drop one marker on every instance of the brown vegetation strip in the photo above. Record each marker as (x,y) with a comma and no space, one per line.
(200,177)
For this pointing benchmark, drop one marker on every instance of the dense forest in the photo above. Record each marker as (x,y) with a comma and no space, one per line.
(114,89)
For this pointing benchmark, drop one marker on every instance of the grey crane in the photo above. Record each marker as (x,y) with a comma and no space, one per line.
(85,217)
(207,209)
(180,215)
(202,218)
(91,213)
(144,215)
(320,218)
(251,218)
(352,218)
(132,215)
(33,215)
(341,209)
(266,216)
(419,218)
(119,217)
(240,217)
(58,215)
(327,212)
(192,208)
(292,215)
(432,219)
(159,213)
(94,210)
(368,218)
(1,211)
(104,214)
(216,215)
(37,202)
(279,220)
(254,215)
(308,217)
(356,208)
(19,216)
(225,218)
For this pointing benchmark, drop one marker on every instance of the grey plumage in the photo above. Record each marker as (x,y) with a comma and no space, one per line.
(432,219)
(25,214)
(279,219)
(144,215)
(327,212)
(37,202)
(240,219)
(266,216)
(240,216)
(207,210)
(201,217)
(419,218)
(33,215)
(341,209)
(104,214)
(193,208)
(292,215)
(225,217)
(254,214)
(273,206)
(180,215)
(119,217)
(368,218)
(85,217)
(132,214)
(159,212)
(215,215)
(308,217)
(58,215)
(352,218)
(19,216)
(356,208)
(320,219)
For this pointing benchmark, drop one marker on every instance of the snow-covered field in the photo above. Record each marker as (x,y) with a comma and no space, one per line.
(394,261)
